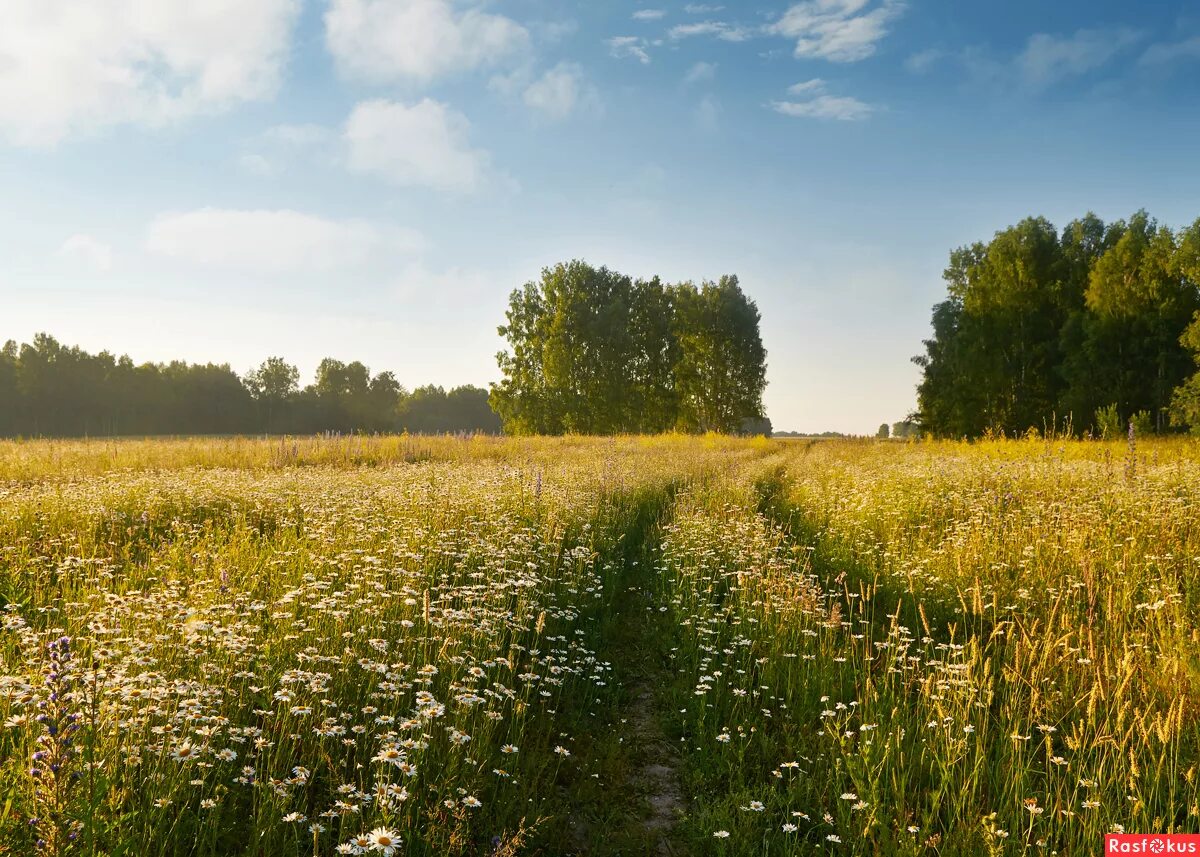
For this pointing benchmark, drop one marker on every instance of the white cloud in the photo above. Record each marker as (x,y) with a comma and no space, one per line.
(70,68)
(557,92)
(845,109)
(837,30)
(424,144)
(1049,58)
(807,87)
(1168,52)
(819,105)
(649,14)
(720,29)
(700,72)
(629,46)
(702,9)
(273,242)
(393,40)
(88,251)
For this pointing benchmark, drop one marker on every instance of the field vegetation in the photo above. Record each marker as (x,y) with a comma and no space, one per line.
(665,645)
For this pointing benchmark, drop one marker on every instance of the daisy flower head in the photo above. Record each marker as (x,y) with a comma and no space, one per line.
(384,841)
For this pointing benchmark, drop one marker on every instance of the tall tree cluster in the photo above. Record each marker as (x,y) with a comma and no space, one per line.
(50,389)
(593,351)
(1095,324)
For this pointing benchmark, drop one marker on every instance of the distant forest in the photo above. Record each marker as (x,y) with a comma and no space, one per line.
(1093,329)
(50,389)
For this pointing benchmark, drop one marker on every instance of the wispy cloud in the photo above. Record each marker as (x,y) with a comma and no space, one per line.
(624,47)
(1163,53)
(700,72)
(808,87)
(813,102)
(843,108)
(720,29)
(708,114)
(649,14)
(923,61)
(274,241)
(837,30)
(1048,59)
(280,148)
(561,91)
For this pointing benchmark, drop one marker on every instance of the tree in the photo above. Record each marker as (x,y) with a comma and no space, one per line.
(274,386)
(11,400)
(1012,302)
(524,399)
(654,401)
(47,388)
(1185,400)
(949,401)
(885,431)
(1084,390)
(1038,326)
(1139,305)
(721,372)
(432,410)
(596,352)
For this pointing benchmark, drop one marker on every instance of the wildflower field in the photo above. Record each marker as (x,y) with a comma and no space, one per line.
(631,646)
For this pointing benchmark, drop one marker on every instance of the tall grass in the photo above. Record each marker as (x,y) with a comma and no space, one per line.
(316,646)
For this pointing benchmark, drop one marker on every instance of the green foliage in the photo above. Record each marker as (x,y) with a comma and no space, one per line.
(721,371)
(432,410)
(1038,326)
(1108,422)
(885,431)
(593,351)
(53,390)
(1185,402)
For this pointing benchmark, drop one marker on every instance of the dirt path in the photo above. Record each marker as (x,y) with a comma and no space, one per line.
(654,775)
(634,809)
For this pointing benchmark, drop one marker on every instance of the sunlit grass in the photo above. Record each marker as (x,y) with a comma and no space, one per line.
(278,646)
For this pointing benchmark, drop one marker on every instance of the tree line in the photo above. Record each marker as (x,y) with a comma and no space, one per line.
(594,351)
(1093,327)
(50,389)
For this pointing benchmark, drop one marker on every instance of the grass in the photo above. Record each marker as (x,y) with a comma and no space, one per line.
(596,646)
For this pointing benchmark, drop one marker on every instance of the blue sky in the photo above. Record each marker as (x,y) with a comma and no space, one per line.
(368,179)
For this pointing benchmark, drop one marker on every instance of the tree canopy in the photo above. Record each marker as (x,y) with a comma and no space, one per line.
(51,389)
(1086,325)
(594,351)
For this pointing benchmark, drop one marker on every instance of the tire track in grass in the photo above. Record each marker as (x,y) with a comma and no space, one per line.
(635,810)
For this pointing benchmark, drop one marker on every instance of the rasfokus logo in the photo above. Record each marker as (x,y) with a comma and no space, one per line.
(1151,843)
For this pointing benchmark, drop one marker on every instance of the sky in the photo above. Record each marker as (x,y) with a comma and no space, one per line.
(369,179)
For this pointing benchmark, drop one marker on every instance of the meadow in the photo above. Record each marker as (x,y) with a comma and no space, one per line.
(610,646)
